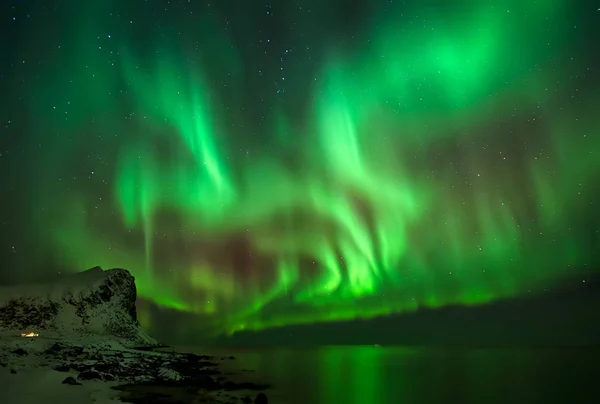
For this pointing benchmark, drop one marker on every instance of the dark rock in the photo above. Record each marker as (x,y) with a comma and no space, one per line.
(24,313)
(61,368)
(66,352)
(193,357)
(90,375)
(149,347)
(107,377)
(191,366)
(19,352)
(261,398)
(53,350)
(104,367)
(77,350)
(71,380)
(232,357)
(14,372)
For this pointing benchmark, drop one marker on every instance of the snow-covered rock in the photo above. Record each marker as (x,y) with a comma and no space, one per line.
(90,303)
(169,374)
(85,331)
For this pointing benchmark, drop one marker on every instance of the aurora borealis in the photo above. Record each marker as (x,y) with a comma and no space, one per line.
(303,162)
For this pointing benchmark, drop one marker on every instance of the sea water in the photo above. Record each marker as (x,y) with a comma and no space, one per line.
(407,375)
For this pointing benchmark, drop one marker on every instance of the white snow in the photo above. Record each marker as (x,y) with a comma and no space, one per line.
(44,386)
(36,382)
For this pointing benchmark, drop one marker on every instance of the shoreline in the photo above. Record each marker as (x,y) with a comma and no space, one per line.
(107,370)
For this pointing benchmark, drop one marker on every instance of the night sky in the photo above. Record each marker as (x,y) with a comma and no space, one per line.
(266,164)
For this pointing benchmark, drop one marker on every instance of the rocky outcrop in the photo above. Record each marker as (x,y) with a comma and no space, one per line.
(85,327)
(90,303)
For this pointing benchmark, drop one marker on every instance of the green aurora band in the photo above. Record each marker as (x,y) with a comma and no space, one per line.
(400,188)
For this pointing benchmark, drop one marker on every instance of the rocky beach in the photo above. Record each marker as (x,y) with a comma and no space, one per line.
(79,338)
